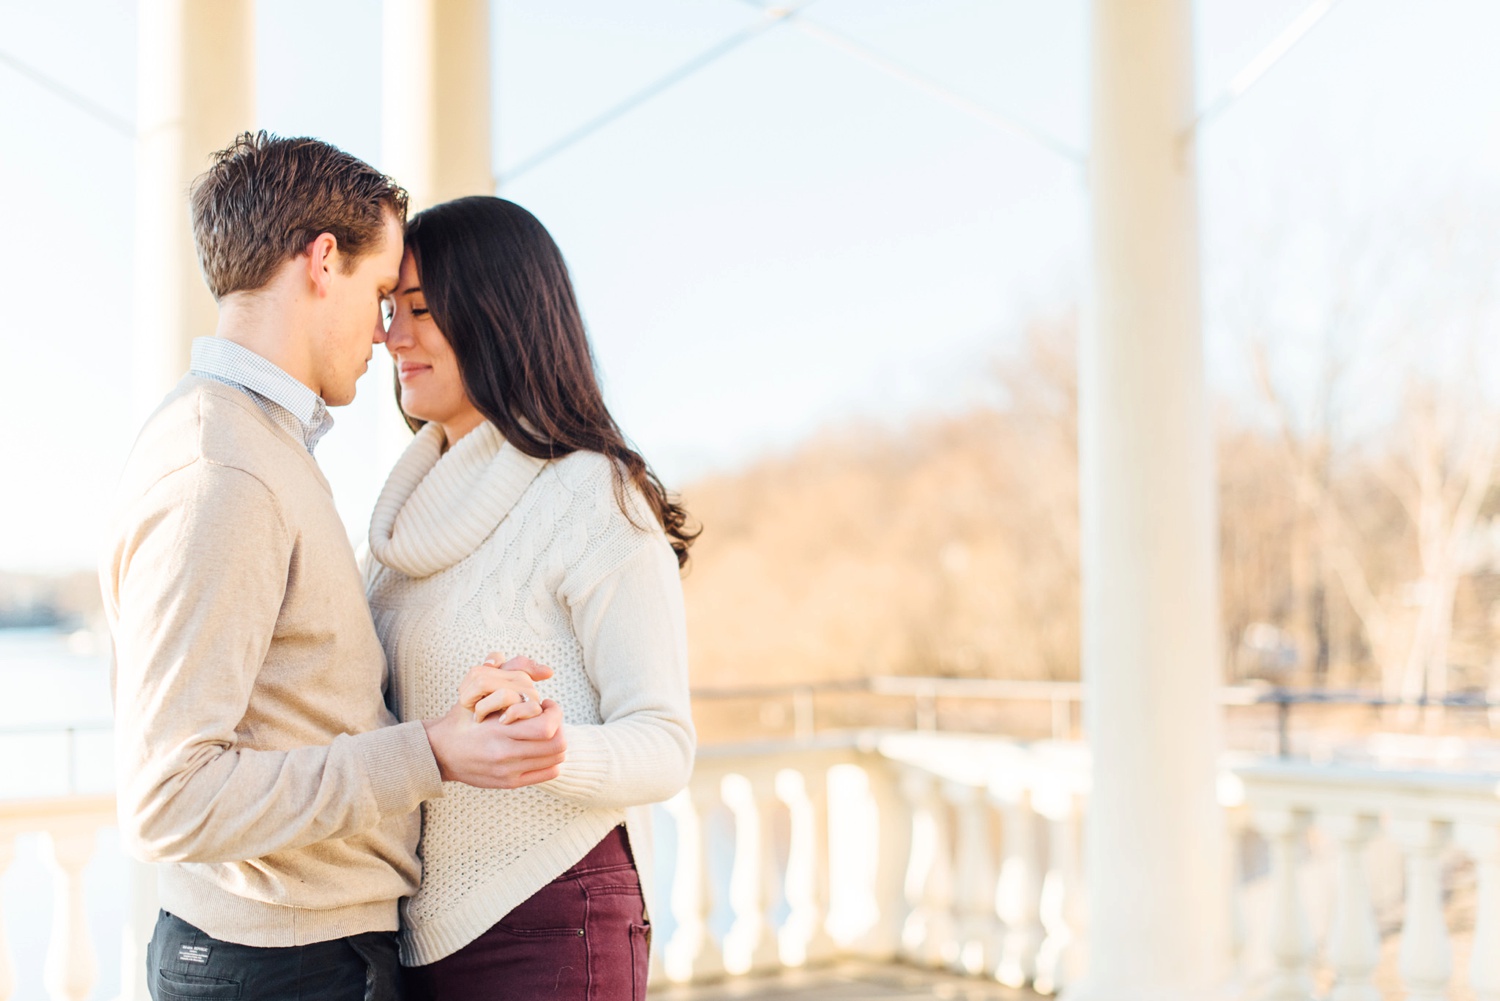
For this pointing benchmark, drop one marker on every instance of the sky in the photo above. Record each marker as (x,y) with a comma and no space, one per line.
(786,241)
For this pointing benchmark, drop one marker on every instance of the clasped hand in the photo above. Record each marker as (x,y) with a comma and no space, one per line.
(501,733)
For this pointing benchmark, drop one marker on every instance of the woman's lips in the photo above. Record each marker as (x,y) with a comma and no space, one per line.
(407,370)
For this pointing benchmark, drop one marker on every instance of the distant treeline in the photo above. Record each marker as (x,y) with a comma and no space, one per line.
(35,601)
(952,547)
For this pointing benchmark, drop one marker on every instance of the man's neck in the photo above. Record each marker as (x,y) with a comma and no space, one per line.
(264,326)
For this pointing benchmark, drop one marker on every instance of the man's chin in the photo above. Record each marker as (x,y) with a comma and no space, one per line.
(340,397)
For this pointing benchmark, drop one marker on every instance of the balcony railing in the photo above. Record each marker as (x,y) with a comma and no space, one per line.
(1357,859)
(70,828)
(964,853)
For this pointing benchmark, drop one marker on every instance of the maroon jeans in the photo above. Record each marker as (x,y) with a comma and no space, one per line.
(582,937)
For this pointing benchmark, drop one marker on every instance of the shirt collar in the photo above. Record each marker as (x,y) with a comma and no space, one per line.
(224,359)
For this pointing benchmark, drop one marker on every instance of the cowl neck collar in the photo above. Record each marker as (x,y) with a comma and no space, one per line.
(438,507)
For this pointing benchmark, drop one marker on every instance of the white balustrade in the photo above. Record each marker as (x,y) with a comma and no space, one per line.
(932,941)
(689,877)
(1430,817)
(977,930)
(893,850)
(1291,946)
(808,866)
(1236,829)
(7,965)
(70,829)
(1354,937)
(767,886)
(1059,960)
(1481,839)
(947,892)
(703,956)
(1019,893)
(71,969)
(1426,951)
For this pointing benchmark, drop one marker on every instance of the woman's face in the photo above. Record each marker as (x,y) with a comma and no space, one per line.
(431,387)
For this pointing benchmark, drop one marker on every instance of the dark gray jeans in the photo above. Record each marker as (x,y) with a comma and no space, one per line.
(185,964)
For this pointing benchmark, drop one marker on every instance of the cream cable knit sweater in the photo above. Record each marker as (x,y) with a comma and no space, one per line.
(483,548)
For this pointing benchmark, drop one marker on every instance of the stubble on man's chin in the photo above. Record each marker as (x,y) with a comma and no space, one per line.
(341,396)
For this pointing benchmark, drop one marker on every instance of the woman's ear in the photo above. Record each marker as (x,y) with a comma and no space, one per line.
(322,259)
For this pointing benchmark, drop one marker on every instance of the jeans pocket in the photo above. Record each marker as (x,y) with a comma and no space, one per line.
(640,958)
(173,986)
(557,909)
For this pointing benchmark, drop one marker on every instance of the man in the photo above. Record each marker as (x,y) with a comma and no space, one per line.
(257,758)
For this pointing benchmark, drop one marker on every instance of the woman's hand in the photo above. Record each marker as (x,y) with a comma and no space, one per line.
(492,756)
(507,687)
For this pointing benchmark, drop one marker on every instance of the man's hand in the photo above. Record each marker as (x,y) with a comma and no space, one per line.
(504,686)
(495,755)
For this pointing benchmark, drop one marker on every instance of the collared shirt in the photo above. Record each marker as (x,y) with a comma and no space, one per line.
(295,408)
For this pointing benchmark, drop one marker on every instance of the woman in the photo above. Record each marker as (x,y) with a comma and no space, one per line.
(520,520)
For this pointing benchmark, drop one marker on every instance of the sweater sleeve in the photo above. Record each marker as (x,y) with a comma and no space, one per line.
(632,627)
(198,577)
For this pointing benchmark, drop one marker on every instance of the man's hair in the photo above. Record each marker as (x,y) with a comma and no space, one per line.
(267,197)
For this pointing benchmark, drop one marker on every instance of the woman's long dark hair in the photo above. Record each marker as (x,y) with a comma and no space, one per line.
(497,287)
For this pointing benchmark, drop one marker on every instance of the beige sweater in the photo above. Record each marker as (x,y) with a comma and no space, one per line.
(484,548)
(256,756)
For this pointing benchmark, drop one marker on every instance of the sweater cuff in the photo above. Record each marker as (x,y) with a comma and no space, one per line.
(586,768)
(402,771)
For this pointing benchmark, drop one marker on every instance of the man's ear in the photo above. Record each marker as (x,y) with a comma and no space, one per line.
(322,259)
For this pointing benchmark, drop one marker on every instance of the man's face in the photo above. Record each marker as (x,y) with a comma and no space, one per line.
(354,324)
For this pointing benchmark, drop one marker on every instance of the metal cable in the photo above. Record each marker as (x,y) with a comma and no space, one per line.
(699,62)
(930,87)
(95,111)
(1262,63)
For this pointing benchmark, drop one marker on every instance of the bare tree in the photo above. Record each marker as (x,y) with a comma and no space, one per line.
(1401,331)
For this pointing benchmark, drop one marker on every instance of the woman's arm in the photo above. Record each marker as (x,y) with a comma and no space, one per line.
(633,630)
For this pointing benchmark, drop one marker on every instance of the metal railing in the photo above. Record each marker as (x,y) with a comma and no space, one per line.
(1062,697)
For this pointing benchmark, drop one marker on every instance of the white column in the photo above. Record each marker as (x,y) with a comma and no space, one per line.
(435,117)
(70,970)
(1150,617)
(195,92)
(435,133)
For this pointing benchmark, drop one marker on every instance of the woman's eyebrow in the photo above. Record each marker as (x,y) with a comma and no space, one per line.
(410,291)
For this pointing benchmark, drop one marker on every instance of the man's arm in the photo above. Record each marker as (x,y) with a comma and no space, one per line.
(199,575)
